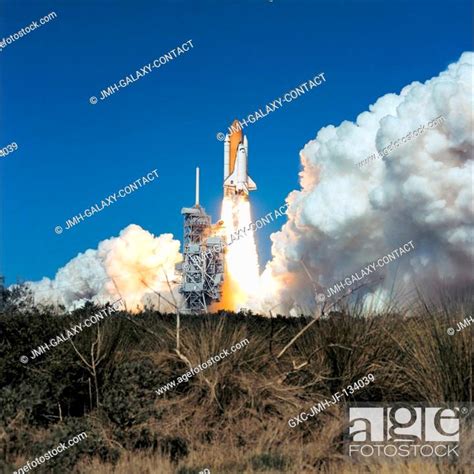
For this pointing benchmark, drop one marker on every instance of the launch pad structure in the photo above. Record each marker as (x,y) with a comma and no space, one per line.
(202,268)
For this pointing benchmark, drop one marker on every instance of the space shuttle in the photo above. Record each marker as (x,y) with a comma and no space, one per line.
(236,152)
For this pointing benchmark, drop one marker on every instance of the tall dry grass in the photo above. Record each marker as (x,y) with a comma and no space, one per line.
(232,417)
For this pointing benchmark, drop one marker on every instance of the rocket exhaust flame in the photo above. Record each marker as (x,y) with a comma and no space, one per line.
(241,280)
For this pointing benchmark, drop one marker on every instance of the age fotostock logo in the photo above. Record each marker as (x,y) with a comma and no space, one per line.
(404,430)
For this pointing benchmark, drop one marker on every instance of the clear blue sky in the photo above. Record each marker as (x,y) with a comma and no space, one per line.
(246,53)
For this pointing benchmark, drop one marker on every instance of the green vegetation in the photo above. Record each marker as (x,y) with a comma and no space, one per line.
(230,418)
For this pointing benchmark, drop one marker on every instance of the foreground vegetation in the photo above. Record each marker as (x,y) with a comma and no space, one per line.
(232,417)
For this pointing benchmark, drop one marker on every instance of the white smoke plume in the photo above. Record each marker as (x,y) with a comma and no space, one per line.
(133,266)
(345,216)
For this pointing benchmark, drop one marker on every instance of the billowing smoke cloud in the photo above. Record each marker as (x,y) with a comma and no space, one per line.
(133,266)
(345,216)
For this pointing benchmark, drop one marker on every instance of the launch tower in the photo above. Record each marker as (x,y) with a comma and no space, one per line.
(202,268)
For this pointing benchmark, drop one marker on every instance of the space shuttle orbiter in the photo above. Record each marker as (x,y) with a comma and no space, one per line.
(236,152)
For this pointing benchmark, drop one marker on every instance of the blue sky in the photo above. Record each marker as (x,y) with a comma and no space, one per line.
(246,54)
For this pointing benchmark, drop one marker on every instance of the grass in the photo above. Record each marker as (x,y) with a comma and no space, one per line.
(232,417)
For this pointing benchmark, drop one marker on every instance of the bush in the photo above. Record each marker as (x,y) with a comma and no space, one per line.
(266,461)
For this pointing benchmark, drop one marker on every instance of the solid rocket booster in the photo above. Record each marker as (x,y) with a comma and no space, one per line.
(236,152)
